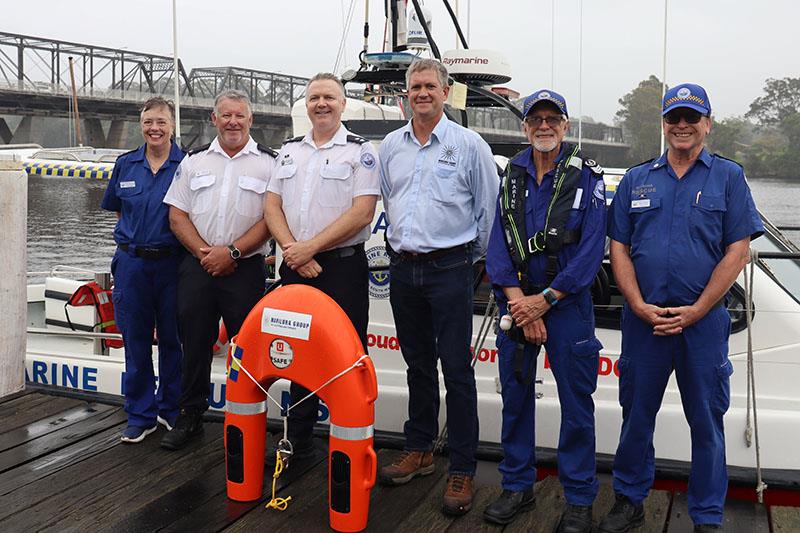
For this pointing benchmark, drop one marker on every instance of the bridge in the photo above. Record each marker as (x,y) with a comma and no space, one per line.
(112,83)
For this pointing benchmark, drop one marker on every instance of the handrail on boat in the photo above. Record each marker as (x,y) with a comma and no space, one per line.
(83,334)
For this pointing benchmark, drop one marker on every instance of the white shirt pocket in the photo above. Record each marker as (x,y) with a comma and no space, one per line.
(250,196)
(202,191)
(336,187)
(286,174)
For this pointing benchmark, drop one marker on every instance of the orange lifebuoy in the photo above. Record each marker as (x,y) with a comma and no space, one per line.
(300,334)
(221,344)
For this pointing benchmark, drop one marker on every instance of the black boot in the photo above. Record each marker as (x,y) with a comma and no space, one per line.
(576,519)
(623,517)
(504,508)
(188,426)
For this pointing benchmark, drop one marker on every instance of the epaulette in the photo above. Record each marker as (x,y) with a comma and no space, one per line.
(198,149)
(294,139)
(593,166)
(127,153)
(356,139)
(728,159)
(641,164)
(267,150)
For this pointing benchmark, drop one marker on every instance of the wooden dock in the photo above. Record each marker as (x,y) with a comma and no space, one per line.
(63,468)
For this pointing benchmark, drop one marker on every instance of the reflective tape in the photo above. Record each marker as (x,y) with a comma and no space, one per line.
(237,408)
(576,162)
(345,433)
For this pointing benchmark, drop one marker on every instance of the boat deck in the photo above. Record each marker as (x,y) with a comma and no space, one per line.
(63,468)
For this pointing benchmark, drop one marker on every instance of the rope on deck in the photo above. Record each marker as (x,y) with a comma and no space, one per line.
(751,431)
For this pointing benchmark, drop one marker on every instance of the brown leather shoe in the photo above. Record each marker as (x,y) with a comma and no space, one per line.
(459,493)
(407,465)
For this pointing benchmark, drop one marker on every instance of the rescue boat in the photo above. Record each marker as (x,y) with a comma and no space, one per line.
(764,347)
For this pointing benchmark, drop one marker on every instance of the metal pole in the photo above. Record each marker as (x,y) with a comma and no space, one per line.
(75,103)
(664,69)
(580,72)
(458,42)
(176,75)
(553,44)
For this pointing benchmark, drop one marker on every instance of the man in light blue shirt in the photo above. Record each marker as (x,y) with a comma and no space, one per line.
(439,183)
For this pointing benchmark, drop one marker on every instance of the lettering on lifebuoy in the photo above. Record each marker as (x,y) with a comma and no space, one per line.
(281,353)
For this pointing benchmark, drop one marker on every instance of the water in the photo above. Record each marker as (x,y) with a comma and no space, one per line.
(67,227)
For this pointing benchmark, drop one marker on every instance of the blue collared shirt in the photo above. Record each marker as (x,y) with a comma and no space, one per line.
(579,262)
(678,229)
(138,195)
(438,195)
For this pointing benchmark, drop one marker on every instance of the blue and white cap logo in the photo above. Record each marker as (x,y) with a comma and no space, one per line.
(684,92)
(544,94)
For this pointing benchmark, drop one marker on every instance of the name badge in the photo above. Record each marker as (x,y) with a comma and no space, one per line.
(127,184)
(640,203)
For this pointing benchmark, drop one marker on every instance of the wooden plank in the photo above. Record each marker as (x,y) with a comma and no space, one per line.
(656,507)
(32,407)
(217,511)
(738,516)
(427,515)
(93,419)
(390,505)
(14,395)
(93,489)
(46,425)
(785,519)
(545,516)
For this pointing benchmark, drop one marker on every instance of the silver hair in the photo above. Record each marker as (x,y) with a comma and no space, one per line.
(233,94)
(322,76)
(428,64)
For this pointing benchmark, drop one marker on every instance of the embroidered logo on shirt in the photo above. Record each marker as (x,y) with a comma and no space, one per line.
(367,160)
(287,160)
(448,156)
(643,190)
(127,184)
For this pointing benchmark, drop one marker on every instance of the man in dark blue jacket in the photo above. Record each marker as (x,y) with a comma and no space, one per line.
(545,248)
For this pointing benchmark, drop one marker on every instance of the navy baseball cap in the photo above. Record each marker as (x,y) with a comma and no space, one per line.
(544,95)
(686,95)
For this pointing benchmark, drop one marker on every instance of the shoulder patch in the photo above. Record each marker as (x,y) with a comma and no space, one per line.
(600,190)
(294,139)
(267,150)
(592,164)
(198,149)
(642,163)
(368,160)
(356,139)
(731,160)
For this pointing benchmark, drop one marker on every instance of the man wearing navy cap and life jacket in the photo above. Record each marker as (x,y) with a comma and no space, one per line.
(545,248)
(680,229)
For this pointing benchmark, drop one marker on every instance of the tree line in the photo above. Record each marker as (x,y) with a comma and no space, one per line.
(766,140)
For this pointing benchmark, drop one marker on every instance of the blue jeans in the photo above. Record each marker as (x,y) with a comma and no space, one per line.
(432,306)
(699,357)
(573,352)
(145,292)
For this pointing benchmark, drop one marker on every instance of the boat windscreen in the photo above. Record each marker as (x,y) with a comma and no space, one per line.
(784,271)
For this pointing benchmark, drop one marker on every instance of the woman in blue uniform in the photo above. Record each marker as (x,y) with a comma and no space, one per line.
(145,270)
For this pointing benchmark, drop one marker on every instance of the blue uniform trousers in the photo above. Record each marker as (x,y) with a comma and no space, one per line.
(432,306)
(699,357)
(144,296)
(573,352)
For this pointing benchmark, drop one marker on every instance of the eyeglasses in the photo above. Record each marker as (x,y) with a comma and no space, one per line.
(689,115)
(552,121)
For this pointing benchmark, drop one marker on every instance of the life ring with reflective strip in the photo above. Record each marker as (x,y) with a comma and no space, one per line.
(299,333)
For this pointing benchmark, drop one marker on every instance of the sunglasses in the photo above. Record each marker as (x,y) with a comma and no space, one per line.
(689,115)
(552,121)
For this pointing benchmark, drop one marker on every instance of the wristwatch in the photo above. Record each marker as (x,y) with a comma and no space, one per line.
(549,297)
(235,252)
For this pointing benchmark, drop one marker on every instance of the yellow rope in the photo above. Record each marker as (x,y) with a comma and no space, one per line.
(278,503)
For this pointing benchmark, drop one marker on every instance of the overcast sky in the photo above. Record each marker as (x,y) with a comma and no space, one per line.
(729,46)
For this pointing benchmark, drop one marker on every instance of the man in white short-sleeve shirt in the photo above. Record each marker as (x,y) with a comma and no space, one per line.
(319,207)
(217,212)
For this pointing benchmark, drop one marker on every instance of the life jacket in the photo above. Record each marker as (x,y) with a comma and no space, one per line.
(100,298)
(554,236)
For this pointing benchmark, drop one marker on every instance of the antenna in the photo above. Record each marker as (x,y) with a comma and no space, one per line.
(664,71)
(176,74)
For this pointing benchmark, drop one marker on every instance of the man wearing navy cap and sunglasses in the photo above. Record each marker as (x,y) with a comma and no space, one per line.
(680,229)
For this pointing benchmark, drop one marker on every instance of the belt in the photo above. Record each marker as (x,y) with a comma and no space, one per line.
(340,253)
(147,252)
(427,256)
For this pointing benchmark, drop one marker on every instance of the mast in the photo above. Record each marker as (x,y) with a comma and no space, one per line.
(664,69)
(176,74)
(580,72)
